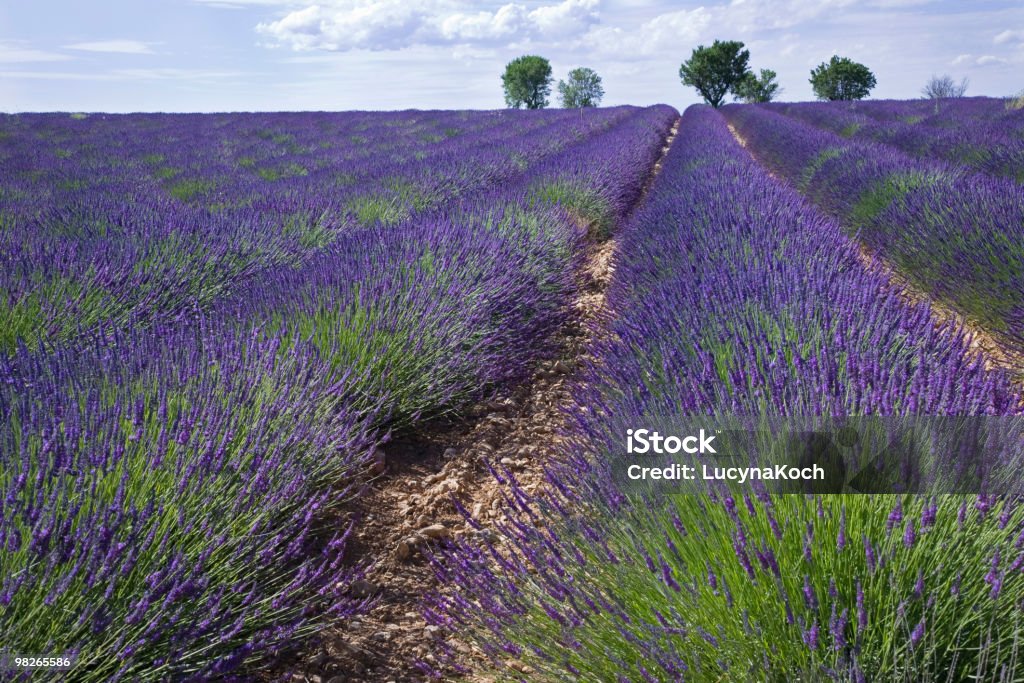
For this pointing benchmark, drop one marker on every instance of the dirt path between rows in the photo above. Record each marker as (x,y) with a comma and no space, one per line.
(995,352)
(408,507)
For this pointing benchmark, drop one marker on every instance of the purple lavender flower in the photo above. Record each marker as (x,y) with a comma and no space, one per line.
(994,577)
(811,636)
(917,634)
(666,575)
(862,612)
(895,516)
(810,599)
(909,535)
(928,514)
(869,554)
(841,536)
(837,627)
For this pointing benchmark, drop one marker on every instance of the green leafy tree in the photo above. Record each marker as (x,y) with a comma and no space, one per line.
(715,71)
(763,88)
(842,79)
(582,89)
(527,82)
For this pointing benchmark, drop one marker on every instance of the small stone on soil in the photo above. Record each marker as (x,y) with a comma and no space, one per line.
(379,462)
(435,531)
(363,588)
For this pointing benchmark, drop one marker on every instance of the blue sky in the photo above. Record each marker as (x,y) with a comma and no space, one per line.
(238,55)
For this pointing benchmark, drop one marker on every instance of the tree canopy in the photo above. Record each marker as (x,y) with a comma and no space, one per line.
(763,88)
(527,82)
(842,79)
(581,89)
(715,71)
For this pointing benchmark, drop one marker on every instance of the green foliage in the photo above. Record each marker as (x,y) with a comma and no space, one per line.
(582,203)
(311,232)
(717,70)
(812,168)
(27,319)
(582,89)
(292,170)
(166,172)
(739,626)
(889,190)
(763,88)
(850,130)
(527,82)
(370,210)
(187,190)
(842,79)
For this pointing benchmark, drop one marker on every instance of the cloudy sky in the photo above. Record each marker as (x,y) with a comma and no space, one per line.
(230,55)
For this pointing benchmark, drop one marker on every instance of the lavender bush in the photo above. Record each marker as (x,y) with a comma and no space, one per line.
(955,235)
(733,295)
(978,134)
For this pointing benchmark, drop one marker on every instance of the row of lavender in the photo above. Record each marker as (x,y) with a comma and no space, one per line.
(945,112)
(103,228)
(958,236)
(168,495)
(734,296)
(978,133)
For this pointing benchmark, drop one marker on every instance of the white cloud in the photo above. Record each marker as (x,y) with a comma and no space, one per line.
(983,60)
(19,53)
(570,17)
(395,24)
(990,59)
(128,47)
(737,19)
(665,32)
(483,26)
(1008,36)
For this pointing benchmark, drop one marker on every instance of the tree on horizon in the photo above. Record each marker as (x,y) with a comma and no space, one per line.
(717,70)
(842,78)
(527,82)
(581,89)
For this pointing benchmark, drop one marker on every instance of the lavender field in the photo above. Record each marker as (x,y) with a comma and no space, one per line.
(211,323)
(736,295)
(213,328)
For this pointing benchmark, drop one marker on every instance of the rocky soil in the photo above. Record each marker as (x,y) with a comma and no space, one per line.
(408,505)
